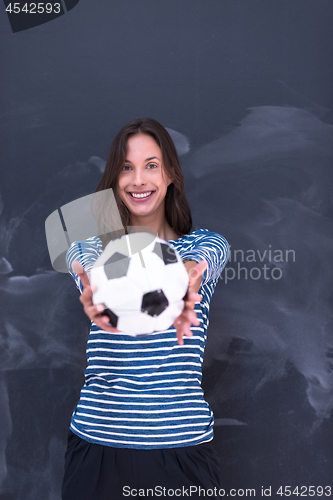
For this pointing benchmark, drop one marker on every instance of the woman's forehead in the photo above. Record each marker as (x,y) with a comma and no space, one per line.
(143,145)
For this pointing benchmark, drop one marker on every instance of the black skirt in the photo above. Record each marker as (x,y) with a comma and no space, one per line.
(97,472)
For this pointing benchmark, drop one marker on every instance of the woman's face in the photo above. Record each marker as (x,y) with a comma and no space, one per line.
(142,182)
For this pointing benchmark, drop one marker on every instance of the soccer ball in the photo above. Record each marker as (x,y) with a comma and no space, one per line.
(142,283)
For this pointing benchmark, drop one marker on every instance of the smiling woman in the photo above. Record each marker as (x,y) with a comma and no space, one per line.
(142,419)
(155,148)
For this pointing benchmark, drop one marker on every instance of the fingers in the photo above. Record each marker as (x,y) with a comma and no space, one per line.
(79,270)
(92,310)
(192,298)
(187,318)
(94,313)
(183,329)
(86,297)
(103,323)
(190,301)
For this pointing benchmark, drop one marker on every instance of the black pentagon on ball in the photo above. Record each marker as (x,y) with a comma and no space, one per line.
(165,252)
(113,318)
(116,266)
(153,303)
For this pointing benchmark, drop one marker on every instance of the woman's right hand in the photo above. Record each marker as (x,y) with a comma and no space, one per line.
(92,311)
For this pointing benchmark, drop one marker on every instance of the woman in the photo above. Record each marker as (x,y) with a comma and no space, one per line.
(142,423)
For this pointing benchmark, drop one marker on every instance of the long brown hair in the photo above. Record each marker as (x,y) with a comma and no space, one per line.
(177,209)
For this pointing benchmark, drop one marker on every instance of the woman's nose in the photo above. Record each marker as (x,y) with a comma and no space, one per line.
(139,177)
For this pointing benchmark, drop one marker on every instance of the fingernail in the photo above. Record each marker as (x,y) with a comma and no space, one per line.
(100,308)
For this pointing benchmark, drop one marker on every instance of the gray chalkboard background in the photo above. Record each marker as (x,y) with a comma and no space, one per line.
(245,87)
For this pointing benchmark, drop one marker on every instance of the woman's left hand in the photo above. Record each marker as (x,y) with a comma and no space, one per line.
(188,317)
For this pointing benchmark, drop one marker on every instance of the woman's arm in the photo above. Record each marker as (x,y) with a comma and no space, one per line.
(188,317)
(92,311)
(192,269)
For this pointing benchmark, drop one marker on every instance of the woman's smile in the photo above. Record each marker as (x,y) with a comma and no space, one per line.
(141,195)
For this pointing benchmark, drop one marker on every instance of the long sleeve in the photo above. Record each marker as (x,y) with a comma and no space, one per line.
(86,252)
(209,246)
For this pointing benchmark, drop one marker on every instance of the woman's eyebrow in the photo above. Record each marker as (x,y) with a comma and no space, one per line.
(147,159)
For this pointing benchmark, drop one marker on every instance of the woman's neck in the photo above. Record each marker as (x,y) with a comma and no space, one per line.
(163,229)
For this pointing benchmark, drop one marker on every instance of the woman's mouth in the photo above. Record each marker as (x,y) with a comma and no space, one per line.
(140,196)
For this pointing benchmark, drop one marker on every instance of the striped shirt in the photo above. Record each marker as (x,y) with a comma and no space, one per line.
(145,392)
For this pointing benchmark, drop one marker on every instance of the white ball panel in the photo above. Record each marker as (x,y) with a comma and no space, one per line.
(136,323)
(98,278)
(137,274)
(176,282)
(155,269)
(168,316)
(122,294)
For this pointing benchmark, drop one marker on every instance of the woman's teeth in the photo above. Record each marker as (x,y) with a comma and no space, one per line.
(143,195)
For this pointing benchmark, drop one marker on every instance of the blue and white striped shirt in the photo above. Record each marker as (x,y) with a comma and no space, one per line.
(145,392)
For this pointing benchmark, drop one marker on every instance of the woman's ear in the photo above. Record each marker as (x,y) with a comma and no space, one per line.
(168,175)
(172,176)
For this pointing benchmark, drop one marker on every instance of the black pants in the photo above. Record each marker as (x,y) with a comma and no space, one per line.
(97,472)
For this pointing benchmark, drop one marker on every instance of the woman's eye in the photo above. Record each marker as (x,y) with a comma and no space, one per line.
(126,167)
(152,165)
